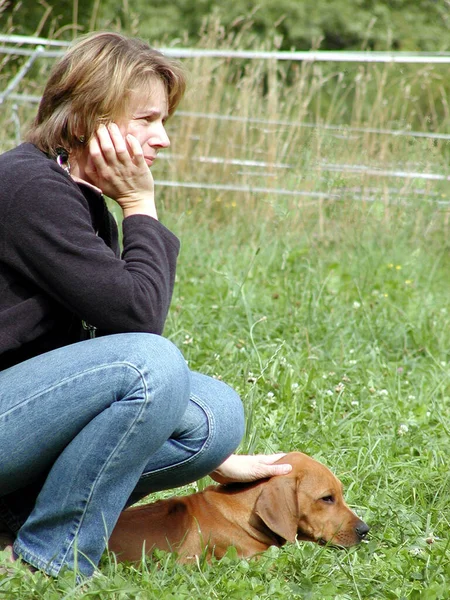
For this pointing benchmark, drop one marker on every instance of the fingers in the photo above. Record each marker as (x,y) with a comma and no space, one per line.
(134,147)
(250,468)
(278,470)
(114,142)
(269,459)
(116,164)
(272,469)
(108,146)
(264,465)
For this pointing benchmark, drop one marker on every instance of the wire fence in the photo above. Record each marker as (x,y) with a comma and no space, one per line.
(36,48)
(310,55)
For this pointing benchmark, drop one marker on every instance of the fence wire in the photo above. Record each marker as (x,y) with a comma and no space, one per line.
(309,55)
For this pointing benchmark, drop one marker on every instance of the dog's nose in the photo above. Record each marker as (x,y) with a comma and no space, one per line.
(362,529)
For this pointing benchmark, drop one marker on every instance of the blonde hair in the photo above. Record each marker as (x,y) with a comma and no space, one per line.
(93,84)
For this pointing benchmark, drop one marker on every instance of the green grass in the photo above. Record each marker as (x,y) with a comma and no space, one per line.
(331,319)
(335,330)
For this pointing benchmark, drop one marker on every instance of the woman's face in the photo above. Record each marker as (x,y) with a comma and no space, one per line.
(148,115)
(146,119)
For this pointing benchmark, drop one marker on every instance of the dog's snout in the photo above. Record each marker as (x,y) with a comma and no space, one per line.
(362,529)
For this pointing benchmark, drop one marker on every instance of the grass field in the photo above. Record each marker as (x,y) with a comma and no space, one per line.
(338,343)
(332,320)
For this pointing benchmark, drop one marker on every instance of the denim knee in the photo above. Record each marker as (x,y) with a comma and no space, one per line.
(159,363)
(226,414)
(149,350)
(211,429)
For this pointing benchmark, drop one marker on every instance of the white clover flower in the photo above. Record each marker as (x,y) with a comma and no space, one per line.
(251,377)
(294,387)
(356,305)
(328,393)
(383,393)
(411,397)
(354,403)
(402,429)
(415,551)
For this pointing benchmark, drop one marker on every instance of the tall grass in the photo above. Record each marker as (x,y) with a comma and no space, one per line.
(329,315)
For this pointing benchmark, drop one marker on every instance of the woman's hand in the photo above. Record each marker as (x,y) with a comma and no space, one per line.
(242,467)
(117,166)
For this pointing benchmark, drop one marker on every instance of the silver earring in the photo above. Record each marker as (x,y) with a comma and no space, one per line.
(62,158)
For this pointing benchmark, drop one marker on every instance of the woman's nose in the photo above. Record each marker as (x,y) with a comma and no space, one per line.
(160,138)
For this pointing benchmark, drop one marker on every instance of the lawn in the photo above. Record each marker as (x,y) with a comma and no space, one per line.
(338,342)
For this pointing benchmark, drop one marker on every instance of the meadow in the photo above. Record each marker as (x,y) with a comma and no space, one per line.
(323,302)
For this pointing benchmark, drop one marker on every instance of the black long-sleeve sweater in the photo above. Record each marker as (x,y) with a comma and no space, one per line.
(60,261)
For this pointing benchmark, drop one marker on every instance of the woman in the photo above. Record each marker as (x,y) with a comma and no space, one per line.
(97,409)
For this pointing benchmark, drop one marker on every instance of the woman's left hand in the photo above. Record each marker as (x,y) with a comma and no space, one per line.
(244,467)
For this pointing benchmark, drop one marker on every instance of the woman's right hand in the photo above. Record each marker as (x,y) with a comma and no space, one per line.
(247,467)
(117,166)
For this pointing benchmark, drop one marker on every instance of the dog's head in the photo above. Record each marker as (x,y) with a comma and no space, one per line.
(308,504)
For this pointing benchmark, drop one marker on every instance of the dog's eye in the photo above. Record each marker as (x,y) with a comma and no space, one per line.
(328,499)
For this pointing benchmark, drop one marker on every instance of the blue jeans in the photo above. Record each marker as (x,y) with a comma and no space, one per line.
(90,428)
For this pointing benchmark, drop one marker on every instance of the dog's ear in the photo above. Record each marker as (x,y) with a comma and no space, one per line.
(277,506)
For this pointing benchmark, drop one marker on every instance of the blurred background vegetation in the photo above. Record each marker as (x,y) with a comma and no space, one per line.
(298,120)
(412,25)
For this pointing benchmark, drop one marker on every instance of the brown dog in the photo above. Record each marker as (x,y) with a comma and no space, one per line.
(306,504)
